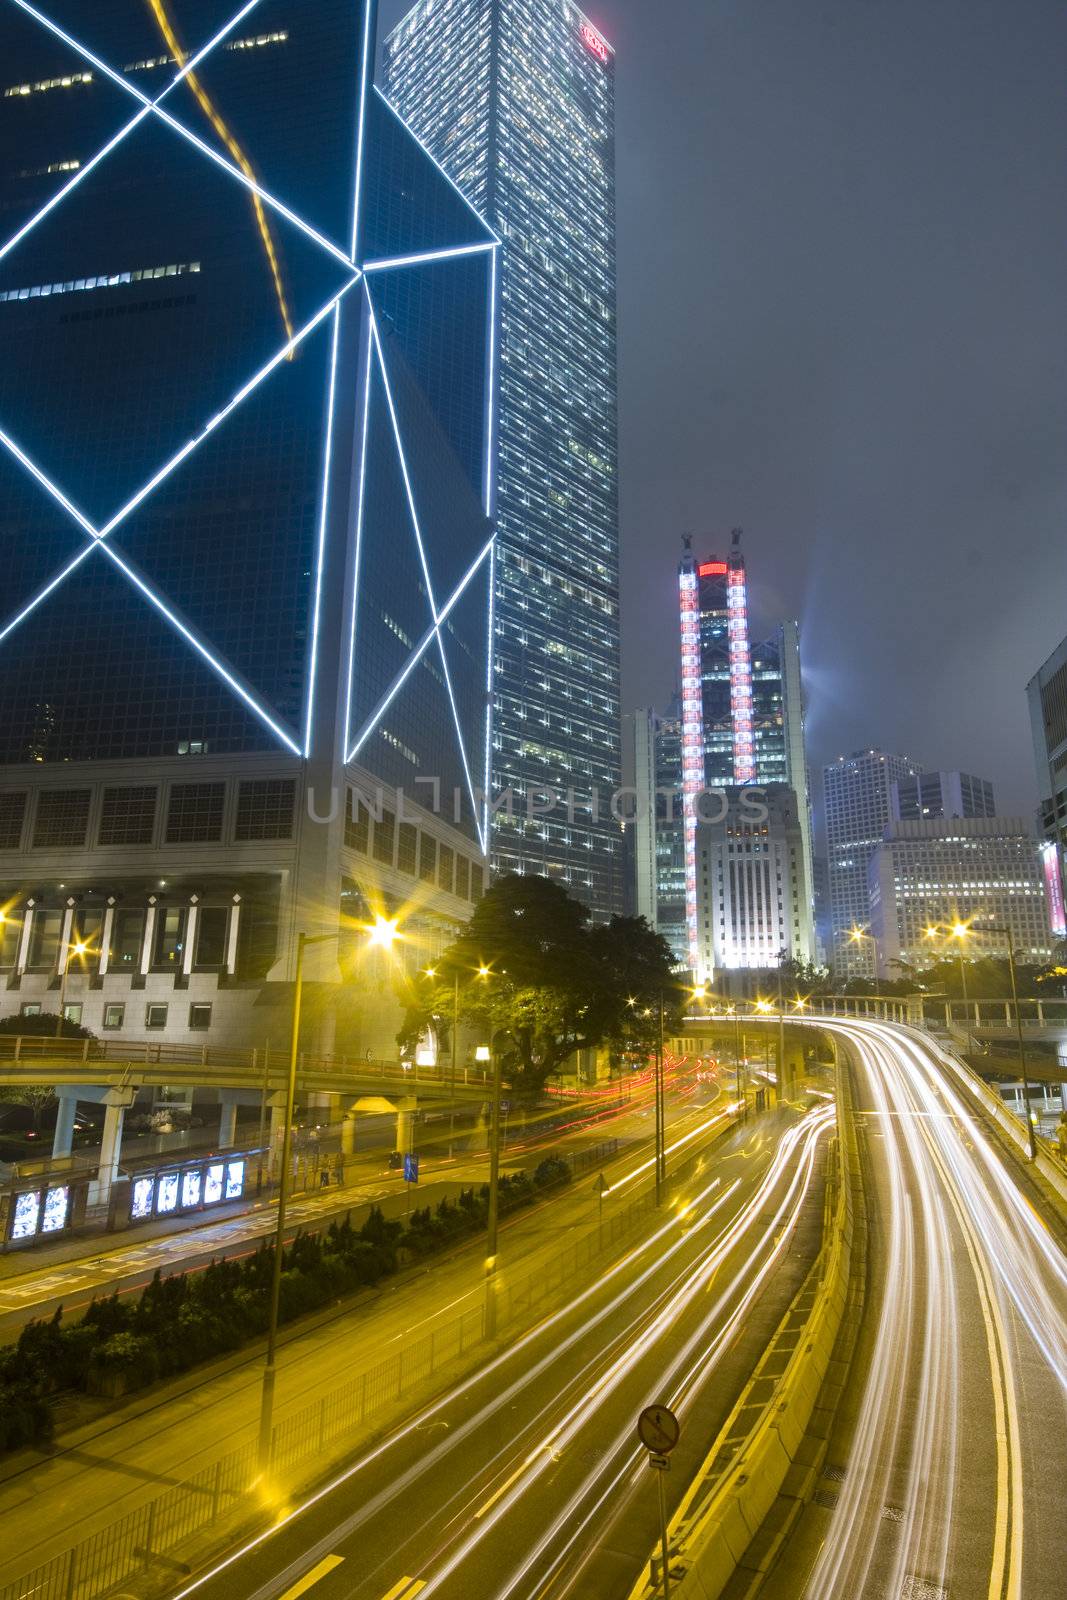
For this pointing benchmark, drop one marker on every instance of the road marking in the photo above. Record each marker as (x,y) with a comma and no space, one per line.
(326,1565)
(406,1589)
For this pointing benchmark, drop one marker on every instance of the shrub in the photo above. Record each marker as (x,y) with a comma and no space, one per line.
(25,1416)
(124,1361)
(552,1173)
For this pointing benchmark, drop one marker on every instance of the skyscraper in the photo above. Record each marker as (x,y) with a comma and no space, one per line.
(859,803)
(941,794)
(658,828)
(1047,694)
(516,99)
(742,712)
(245,487)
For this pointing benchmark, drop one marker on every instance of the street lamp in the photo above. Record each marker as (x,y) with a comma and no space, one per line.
(483,1053)
(382,933)
(77,949)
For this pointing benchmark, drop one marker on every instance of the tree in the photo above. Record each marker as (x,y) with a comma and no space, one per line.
(38,1096)
(540,983)
(43,1026)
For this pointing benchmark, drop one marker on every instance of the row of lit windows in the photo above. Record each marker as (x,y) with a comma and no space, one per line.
(44,84)
(106,281)
(53,166)
(253,43)
(195,814)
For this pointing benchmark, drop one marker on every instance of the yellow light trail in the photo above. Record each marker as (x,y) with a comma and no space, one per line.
(206,105)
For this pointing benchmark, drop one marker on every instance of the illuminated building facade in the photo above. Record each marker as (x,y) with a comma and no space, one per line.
(658,828)
(1047,695)
(937,871)
(246,462)
(753,897)
(516,99)
(941,794)
(858,792)
(742,716)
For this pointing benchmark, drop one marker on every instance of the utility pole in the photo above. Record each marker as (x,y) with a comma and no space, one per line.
(494,1201)
(661,1154)
(452,1075)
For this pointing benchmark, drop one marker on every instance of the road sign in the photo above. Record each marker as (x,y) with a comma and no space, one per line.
(411,1169)
(658,1430)
(601,1185)
(660,1463)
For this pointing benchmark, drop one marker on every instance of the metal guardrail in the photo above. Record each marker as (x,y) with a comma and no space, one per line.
(142,1542)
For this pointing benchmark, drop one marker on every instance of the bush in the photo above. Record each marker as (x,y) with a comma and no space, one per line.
(125,1361)
(25,1416)
(552,1173)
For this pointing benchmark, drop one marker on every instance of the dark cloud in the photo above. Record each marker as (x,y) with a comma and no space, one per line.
(842,292)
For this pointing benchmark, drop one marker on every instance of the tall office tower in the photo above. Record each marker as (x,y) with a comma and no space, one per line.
(934,871)
(516,99)
(245,461)
(655,759)
(751,885)
(1047,695)
(941,794)
(742,711)
(858,793)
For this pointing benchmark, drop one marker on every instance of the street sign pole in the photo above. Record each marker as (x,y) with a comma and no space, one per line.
(664,1539)
(659,1431)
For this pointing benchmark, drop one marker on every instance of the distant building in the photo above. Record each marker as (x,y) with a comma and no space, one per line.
(753,893)
(657,832)
(1047,694)
(742,711)
(859,803)
(516,100)
(971,869)
(941,794)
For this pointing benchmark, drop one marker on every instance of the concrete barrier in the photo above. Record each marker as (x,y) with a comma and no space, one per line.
(757,1447)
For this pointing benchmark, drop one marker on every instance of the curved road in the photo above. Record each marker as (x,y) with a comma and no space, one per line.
(945,1477)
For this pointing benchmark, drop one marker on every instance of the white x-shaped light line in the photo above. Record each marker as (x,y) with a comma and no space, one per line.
(98,536)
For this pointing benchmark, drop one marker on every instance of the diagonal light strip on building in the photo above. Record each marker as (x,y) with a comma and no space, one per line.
(358,553)
(427,257)
(156,108)
(409,130)
(421,548)
(324,502)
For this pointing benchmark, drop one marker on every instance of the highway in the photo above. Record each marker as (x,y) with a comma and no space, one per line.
(945,1476)
(525,1479)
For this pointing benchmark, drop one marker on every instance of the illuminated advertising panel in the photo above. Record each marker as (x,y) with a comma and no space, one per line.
(56,1206)
(191,1187)
(141,1198)
(166,1193)
(27,1210)
(213,1184)
(235,1179)
(1057,911)
(593,41)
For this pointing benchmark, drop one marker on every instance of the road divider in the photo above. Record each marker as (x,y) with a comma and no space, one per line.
(760,1445)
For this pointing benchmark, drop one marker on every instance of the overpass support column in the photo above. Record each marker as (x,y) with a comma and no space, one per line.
(348,1134)
(227,1124)
(115,1102)
(63,1138)
(405,1126)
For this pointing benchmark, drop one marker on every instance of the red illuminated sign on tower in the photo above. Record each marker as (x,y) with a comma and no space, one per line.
(594,42)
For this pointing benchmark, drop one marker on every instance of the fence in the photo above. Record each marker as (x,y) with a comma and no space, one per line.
(140,1542)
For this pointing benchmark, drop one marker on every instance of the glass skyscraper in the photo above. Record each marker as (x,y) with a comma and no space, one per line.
(516,99)
(742,717)
(859,805)
(246,461)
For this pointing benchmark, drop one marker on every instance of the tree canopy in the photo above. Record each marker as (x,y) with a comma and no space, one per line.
(541,983)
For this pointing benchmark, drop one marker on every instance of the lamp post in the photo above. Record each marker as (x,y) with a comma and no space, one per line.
(77,949)
(484,1053)
(960,931)
(382,933)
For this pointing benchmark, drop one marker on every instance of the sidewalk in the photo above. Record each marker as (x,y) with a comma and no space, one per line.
(76,1269)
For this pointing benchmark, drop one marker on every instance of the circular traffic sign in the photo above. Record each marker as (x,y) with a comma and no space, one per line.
(658,1429)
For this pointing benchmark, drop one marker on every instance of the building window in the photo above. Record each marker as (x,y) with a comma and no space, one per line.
(384,836)
(407,848)
(463,877)
(199,1016)
(12,814)
(127,940)
(477,880)
(10,934)
(127,816)
(265,809)
(170,937)
(44,940)
(427,857)
(114,1016)
(445,862)
(357,824)
(194,813)
(211,929)
(155,1016)
(62,818)
(72,1012)
(29,1008)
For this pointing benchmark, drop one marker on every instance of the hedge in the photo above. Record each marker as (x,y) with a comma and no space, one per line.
(123,1344)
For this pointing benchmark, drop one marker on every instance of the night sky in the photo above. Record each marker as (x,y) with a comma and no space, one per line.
(843,327)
